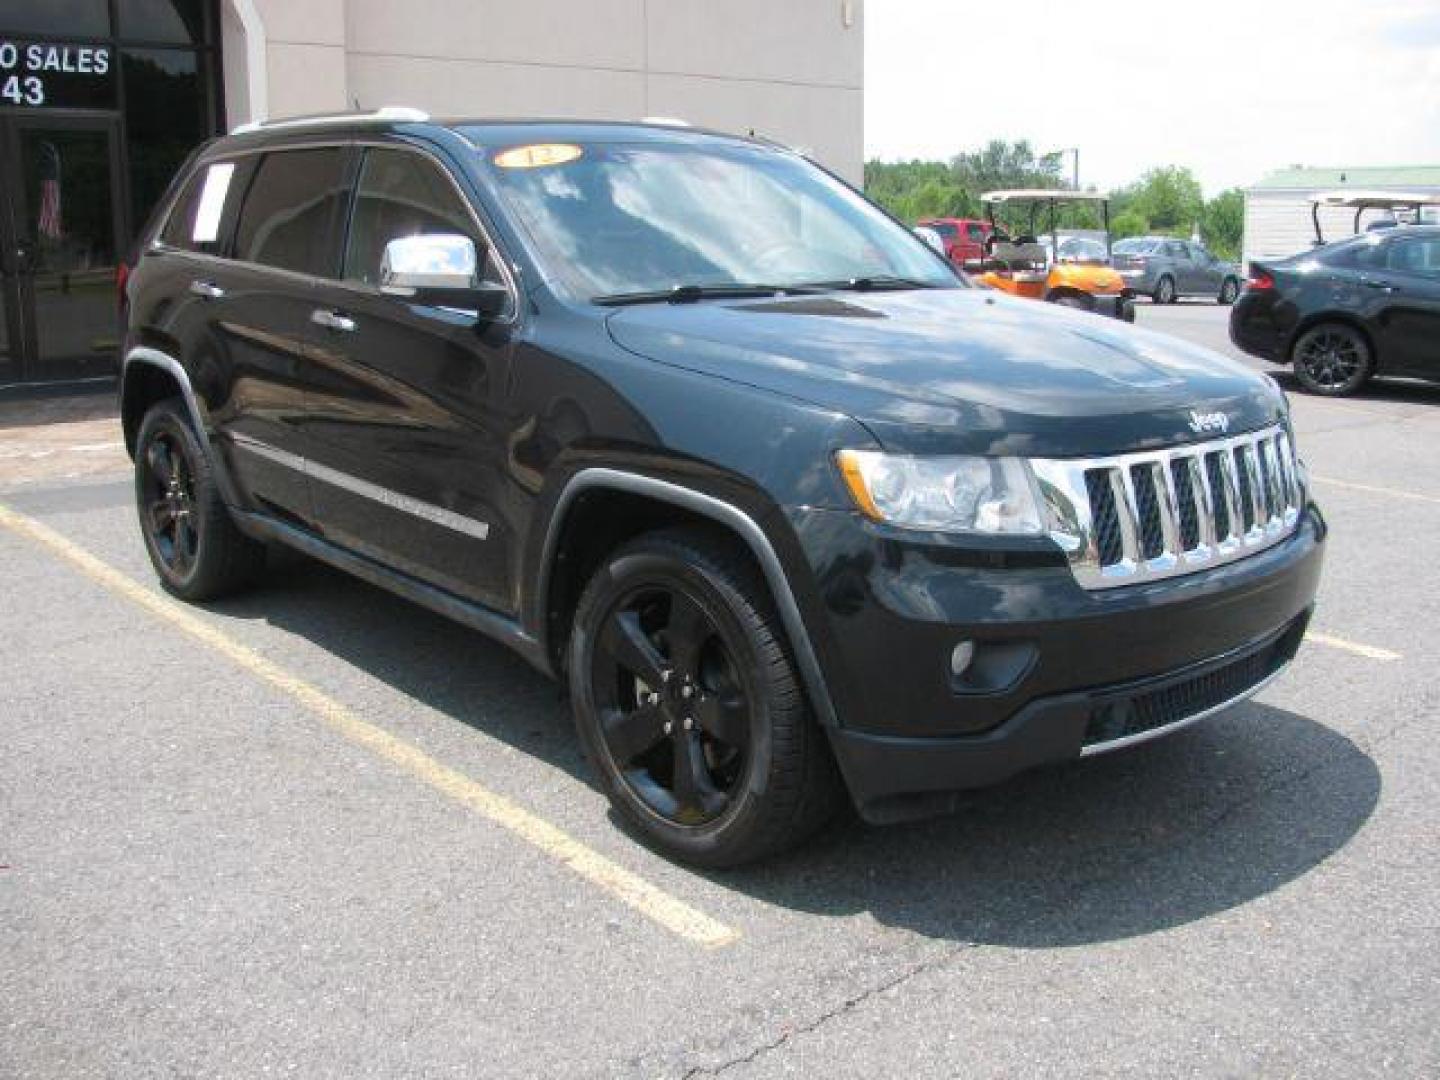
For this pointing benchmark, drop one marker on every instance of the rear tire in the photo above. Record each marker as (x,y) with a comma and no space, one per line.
(196,550)
(1332,359)
(1228,292)
(676,628)
(1165,290)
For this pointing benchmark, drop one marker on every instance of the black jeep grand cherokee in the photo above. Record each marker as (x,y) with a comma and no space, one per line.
(685,420)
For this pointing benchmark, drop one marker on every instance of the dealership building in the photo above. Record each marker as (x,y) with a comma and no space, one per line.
(100,100)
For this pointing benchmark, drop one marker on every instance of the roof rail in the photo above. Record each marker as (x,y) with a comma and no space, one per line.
(665,121)
(388,113)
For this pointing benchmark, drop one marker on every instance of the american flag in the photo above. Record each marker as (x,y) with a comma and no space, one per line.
(50,221)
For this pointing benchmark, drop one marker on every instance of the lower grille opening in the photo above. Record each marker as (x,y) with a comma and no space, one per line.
(1147,710)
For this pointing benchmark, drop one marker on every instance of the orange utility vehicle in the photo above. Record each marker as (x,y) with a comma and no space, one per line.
(1058,269)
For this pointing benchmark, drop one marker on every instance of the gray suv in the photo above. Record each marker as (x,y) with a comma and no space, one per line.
(1165,270)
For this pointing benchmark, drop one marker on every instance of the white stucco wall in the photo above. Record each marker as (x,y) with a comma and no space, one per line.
(792,70)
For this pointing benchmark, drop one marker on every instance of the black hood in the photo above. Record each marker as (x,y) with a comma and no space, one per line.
(961,370)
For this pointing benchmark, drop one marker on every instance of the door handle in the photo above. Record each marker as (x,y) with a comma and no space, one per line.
(206,290)
(1383,286)
(333,320)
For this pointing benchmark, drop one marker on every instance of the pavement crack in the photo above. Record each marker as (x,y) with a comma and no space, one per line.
(841,1008)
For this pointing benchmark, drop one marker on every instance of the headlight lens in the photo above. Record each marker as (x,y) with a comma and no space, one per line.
(946,494)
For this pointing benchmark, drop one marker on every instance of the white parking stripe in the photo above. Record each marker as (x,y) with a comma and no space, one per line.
(1372,652)
(1398,493)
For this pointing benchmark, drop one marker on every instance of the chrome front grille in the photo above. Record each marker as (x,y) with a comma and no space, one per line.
(1139,517)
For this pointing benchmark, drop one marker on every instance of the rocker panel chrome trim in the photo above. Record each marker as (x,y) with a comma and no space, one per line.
(436,515)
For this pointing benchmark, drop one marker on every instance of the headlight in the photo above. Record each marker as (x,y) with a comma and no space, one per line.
(945,494)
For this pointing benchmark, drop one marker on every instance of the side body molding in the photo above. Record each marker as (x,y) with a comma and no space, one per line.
(726,514)
(144,354)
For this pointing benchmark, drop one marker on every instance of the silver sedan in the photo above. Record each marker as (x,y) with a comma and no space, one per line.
(1165,269)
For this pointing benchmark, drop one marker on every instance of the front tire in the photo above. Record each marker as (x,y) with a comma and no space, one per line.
(1165,290)
(196,550)
(1228,292)
(688,704)
(1332,359)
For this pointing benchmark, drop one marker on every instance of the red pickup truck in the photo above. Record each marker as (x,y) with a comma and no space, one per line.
(964,237)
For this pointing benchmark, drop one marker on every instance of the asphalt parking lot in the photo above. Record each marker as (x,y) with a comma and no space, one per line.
(318,831)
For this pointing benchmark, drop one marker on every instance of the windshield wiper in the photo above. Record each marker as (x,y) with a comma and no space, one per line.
(688,294)
(873,283)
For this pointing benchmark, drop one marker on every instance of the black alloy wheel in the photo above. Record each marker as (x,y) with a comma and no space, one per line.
(167,500)
(689,706)
(1332,359)
(192,542)
(673,709)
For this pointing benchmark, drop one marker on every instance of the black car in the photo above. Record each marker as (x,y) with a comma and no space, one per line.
(1369,305)
(690,424)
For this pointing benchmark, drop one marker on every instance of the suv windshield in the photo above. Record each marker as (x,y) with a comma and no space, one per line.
(610,219)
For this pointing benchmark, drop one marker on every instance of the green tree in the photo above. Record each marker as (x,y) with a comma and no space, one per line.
(1223,224)
(1169,199)
(914,189)
(1001,164)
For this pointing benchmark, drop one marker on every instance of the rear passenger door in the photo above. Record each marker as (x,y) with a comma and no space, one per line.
(408,401)
(257,306)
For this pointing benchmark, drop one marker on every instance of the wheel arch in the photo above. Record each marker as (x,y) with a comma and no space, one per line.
(600,508)
(149,375)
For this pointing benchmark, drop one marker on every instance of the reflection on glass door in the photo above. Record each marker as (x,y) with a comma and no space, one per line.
(72,261)
(63,246)
(10,330)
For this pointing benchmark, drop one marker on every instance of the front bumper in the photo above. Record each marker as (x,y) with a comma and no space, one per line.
(1057,669)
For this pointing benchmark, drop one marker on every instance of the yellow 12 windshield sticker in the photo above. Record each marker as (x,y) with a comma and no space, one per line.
(537,155)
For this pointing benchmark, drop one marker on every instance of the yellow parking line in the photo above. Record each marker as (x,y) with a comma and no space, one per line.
(655,904)
(1398,493)
(1371,652)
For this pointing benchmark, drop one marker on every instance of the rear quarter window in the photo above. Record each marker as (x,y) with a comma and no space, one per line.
(290,212)
(207,202)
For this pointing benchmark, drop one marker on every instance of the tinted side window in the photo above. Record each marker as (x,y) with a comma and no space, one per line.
(289,209)
(195,222)
(1419,256)
(975,231)
(403,194)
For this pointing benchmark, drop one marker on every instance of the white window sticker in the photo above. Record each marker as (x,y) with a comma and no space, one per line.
(212,203)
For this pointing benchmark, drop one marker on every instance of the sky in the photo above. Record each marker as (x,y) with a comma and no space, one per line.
(1232,90)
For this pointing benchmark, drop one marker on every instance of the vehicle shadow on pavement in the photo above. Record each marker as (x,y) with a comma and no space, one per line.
(1107,848)
(432,660)
(1102,849)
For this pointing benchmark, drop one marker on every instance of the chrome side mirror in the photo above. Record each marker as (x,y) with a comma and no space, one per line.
(442,270)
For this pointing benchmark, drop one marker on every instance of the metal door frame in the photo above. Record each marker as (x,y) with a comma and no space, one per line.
(18,284)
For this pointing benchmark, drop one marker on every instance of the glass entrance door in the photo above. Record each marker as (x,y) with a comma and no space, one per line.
(59,191)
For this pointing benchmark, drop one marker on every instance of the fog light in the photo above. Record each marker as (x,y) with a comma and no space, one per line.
(960,658)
